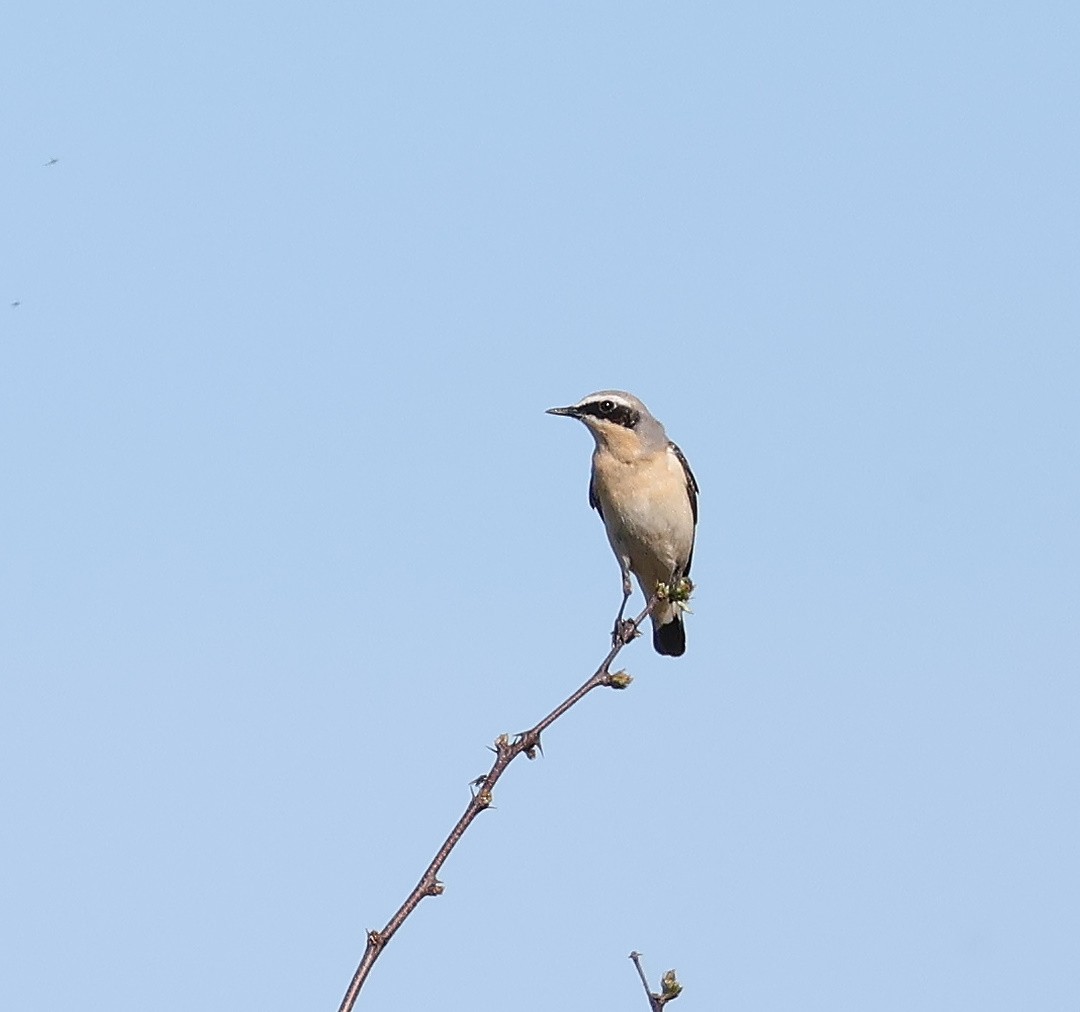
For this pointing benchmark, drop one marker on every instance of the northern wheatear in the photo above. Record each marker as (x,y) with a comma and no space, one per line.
(646,494)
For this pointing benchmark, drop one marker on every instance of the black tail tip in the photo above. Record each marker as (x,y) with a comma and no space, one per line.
(669,639)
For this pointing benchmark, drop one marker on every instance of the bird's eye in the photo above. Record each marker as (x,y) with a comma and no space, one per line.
(606,407)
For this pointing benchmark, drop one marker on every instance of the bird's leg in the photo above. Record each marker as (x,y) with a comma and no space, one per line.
(624,631)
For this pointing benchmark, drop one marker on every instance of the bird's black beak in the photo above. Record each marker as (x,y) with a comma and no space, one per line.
(570,412)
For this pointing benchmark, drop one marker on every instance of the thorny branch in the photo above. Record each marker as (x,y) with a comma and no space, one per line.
(506,751)
(670,988)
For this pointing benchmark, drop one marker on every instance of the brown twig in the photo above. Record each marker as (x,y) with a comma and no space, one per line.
(670,986)
(506,751)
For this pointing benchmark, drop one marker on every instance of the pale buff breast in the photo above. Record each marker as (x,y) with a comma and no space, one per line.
(651,512)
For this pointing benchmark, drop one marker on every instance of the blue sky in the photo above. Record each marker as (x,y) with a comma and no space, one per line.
(287,538)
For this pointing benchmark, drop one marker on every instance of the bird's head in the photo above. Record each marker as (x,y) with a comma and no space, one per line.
(619,422)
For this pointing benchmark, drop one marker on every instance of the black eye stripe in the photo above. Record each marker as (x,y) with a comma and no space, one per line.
(612,411)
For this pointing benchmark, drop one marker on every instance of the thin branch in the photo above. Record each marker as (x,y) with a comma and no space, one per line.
(506,751)
(636,957)
(669,984)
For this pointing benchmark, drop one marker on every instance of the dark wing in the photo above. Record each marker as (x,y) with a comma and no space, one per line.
(691,481)
(594,500)
(691,491)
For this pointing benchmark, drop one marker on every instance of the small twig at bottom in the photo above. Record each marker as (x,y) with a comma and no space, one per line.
(506,751)
(670,988)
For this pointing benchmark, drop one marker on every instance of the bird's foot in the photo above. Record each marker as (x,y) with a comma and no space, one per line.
(624,632)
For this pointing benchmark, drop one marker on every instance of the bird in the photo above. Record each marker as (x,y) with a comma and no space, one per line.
(16,304)
(51,161)
(647,497)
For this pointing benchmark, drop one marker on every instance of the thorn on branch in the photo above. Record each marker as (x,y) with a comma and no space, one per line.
(529,743)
